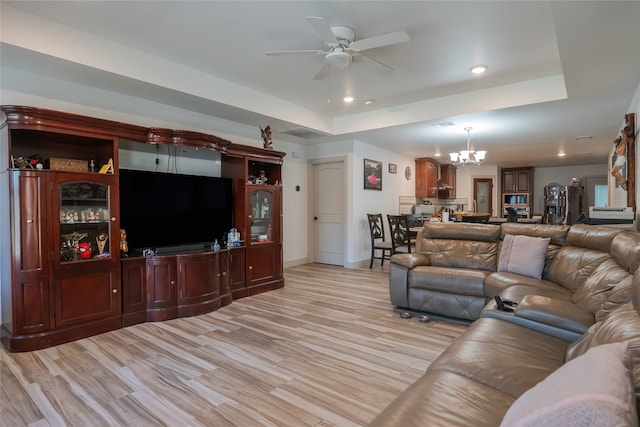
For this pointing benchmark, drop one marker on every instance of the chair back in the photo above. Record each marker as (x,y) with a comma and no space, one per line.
(475,218)
(399,229)
(512,214)
(376,227)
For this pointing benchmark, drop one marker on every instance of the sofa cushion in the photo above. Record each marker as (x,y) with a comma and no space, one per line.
(453,280)
(572,266)
(625,248)
(445,399)
(523,255)
(623,324)
(514,287)
(495,353)
(608,287)
(593,389)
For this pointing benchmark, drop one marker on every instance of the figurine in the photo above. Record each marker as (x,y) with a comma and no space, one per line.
(101,241)
(266,137)
(262,178)
(84,249)
(124,246)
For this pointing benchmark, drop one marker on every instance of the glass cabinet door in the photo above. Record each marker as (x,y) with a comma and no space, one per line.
(84,220)
(262,205)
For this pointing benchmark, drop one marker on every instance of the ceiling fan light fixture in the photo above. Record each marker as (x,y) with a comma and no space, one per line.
(479,69)
(339,59)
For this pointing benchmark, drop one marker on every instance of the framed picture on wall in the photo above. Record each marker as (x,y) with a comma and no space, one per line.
(372,175)
(393,168)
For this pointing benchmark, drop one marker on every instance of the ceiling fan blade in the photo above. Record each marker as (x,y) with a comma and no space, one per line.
(322,28)
(361,59)
(293,52)
(379,41)
(322,71)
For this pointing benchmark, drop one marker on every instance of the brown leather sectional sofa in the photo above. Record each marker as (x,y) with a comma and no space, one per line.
(588,295)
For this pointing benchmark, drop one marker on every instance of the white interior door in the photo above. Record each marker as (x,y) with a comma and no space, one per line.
(328,213)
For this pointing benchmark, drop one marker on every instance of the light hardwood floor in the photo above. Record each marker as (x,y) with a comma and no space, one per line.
(326,350)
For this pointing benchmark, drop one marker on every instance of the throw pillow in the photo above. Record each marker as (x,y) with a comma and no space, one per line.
(523,255)
(591,390)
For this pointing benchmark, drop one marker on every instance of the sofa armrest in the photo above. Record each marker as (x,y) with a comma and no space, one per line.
(553,312)
(410,260)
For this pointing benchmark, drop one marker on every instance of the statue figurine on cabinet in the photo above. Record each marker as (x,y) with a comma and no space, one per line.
(101,241)
(266,137)
(262,178)
(124,246)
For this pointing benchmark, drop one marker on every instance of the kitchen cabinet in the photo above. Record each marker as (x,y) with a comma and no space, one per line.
(426,178)
(517,190)
(518,180)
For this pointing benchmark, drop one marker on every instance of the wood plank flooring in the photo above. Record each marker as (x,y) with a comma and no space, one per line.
(325,350)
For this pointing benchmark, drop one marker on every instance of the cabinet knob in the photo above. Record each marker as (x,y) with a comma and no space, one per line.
(115,291)
(113,218)
(29,221)
(173,282)
(250,267)
(224,273)
(218,274)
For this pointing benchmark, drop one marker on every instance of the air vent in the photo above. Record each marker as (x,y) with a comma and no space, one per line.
(305,133)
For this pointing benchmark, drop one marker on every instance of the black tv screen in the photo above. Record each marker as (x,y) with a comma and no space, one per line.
(164,209)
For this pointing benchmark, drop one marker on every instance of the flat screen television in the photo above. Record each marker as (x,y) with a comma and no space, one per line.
(170,211)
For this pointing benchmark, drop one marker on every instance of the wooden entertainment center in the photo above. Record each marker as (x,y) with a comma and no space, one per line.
(66,278)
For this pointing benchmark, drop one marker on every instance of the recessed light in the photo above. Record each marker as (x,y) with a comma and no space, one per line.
(437,154)
(369,101)
(443,124)
(580,138)
(561,154)
(479,69)
(348,98)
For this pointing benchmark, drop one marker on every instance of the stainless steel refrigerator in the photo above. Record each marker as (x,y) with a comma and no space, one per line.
(562,204)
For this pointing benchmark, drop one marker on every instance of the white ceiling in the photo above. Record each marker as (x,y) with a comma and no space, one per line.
(557,70)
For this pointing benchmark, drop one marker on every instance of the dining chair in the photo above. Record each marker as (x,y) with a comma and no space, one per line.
(400,235)
(512,214)
(378,241)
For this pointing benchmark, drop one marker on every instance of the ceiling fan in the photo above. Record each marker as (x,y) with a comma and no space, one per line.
(342,48)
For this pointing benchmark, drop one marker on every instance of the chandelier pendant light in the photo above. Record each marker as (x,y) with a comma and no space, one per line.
(468,156)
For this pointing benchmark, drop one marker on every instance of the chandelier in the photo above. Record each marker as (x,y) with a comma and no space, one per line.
(468,156)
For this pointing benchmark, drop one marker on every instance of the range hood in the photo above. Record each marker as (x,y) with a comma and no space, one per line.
(441,184)
(444,186)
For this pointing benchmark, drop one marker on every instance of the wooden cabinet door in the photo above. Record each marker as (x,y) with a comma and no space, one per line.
(85,229)
(426,178)
(237,276)
(223,259)
(134,291)
(508,181)
(83,296)
(30,252)
(197,278)
(263,271)
(161,283)
(522,180)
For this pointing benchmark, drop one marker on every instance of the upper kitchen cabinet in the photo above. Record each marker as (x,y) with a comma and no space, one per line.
(426,178)
(517,180)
